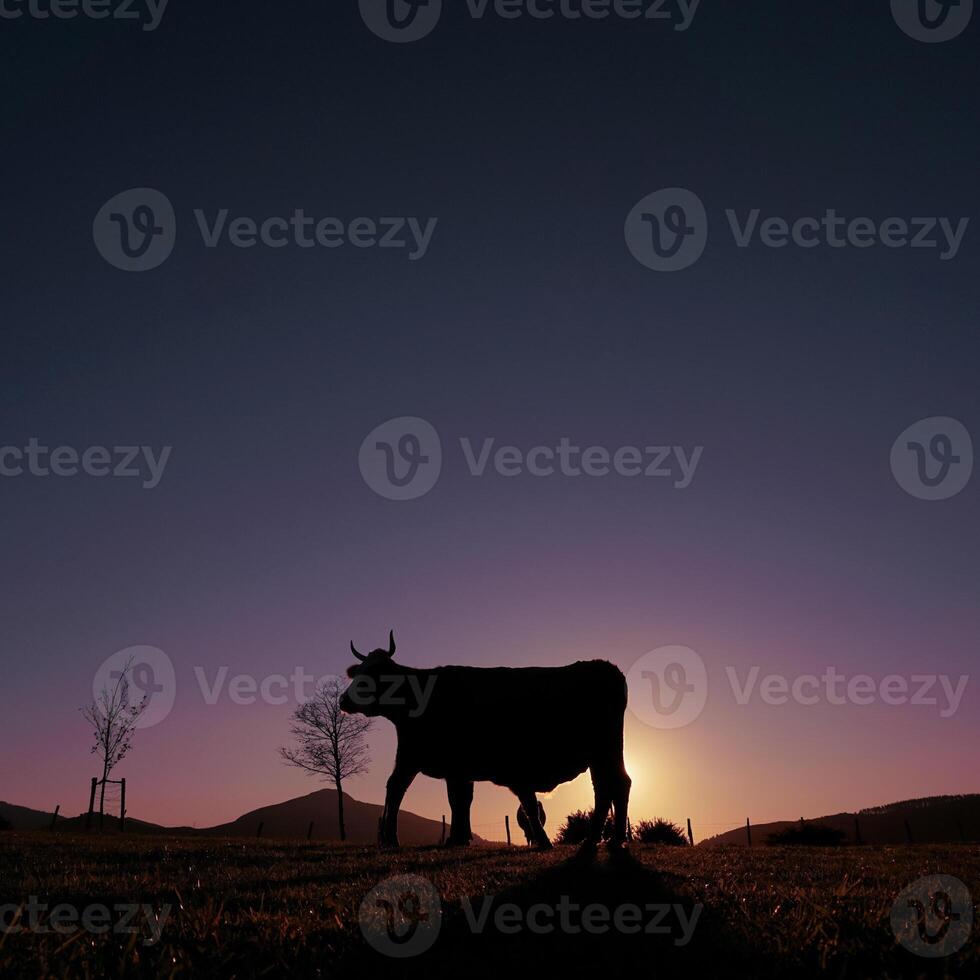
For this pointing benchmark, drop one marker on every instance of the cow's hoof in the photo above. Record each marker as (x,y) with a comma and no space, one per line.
(390,845)
(458,842)
(543,845)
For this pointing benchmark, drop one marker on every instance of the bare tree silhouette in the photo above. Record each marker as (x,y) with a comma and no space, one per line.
(331,743)
(113,719)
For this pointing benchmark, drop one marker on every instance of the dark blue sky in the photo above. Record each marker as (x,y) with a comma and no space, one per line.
(526,321)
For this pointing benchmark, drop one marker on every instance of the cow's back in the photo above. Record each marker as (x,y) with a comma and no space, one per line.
(539,726)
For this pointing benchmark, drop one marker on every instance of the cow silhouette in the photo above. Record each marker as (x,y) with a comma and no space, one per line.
(527,728)
(524,822)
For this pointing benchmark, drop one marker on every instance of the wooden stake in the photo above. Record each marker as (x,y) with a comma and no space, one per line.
(54,819)
(122,807)
(690,833)
(748,831)
(507,827)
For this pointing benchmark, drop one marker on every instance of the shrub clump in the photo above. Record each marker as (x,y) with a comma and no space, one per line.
(660,831)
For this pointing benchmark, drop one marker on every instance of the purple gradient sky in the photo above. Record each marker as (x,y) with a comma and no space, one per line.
(263,549)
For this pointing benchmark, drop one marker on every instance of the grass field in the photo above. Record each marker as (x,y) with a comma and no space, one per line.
(234,908)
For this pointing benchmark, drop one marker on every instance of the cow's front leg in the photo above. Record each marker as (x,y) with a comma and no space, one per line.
(530,803)
(460,793)
(398,783)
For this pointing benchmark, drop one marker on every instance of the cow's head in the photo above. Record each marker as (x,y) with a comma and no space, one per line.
(369,678)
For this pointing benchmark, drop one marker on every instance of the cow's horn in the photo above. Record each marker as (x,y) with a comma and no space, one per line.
(391,643)
(353,650)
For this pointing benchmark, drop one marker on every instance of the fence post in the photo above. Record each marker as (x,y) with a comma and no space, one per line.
(309,832)
(507,827)
(748,831)
(857,831)
(442,839)
(122,807)
(91,804)
(690,833)
(258,833)
(54,818)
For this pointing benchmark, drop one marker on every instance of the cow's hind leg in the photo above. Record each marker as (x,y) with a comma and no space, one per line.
(603,800)
(530,803)
(460,799)
(612,786)
(621,805)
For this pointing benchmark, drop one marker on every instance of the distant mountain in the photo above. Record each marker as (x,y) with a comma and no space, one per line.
(21,818)
(930,820)
(289,819)
(292,819)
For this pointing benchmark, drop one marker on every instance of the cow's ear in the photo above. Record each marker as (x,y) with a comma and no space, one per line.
(391,643)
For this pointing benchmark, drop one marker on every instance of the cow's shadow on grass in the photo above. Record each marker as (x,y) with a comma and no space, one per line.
(590,914)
